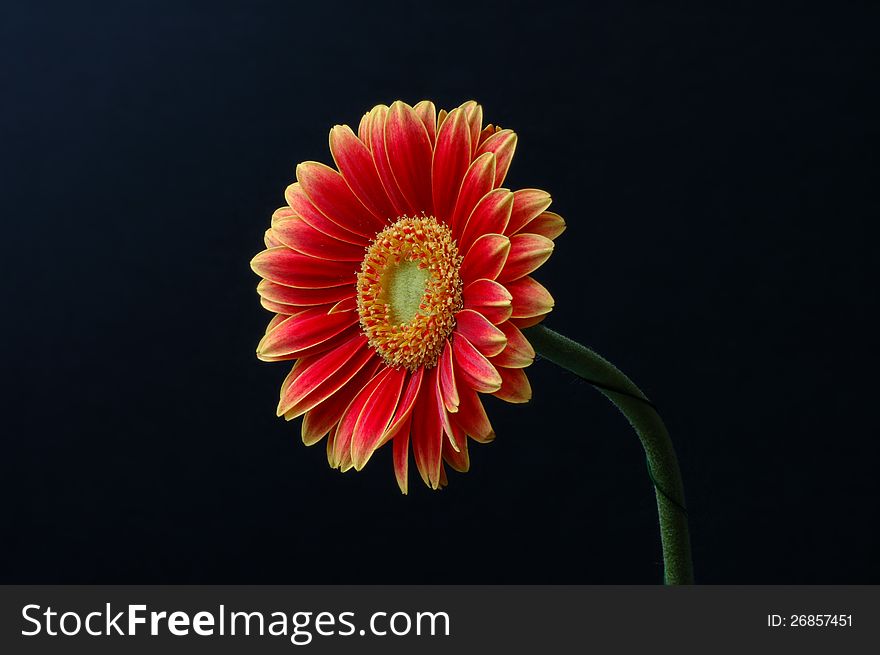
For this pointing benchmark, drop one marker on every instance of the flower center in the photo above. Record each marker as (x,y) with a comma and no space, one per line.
(409,290)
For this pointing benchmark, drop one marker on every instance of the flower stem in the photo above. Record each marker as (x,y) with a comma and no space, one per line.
(643,416)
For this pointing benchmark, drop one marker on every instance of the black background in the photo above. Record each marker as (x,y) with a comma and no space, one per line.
(717,168)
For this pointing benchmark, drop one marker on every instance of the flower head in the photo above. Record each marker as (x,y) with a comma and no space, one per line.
(399,281)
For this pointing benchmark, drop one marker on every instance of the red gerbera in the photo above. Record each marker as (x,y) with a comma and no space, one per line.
(399,284)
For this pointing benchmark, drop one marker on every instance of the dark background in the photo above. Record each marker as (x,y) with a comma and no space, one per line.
(718,171)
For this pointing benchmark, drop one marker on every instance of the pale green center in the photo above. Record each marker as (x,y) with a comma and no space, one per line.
(404,287)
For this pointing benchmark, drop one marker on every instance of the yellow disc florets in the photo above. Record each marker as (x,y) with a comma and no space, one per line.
(409,290)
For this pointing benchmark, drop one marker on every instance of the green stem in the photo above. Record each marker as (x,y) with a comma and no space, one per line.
(640,412)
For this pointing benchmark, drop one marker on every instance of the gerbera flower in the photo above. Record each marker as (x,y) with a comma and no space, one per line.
(399,282)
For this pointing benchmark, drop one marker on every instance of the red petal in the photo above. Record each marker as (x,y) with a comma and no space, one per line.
(405,406)
(327,190)
(275,321)
(452,156)
(401,456)
(474,327)
(270,239)
(518,353)
(502,144)
(457,459)
(473,368)
(474,114)
(282,213)
(447,379)
(364,129)
(303,331)
(488,131)
(355,162)
(489,298)
(547,224)
(486,258)
(427,432)
(490,216)
(471,416)
(515,387)
(527,322)
(319,420)
(426,111)
(477,182)
(380,158)
(343,441)
(530,298)
(278,293)
(375,416)
(441,408)
(527,253)
(295,233)
(290,268)
(316,378)
(303,207)
(527,204)
(344,305)
(279,308)
(409,154)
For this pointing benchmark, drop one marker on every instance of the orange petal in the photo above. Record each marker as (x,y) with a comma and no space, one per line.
(489,298)
(527,253)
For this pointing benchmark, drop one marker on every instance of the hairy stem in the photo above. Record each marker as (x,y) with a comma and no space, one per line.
(640,412)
